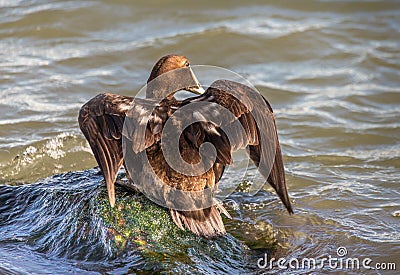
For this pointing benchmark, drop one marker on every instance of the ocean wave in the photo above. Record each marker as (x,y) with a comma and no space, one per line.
(28,98)
(46,157)
(273,27)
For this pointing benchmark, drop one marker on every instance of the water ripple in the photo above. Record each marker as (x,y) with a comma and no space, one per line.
(329,68)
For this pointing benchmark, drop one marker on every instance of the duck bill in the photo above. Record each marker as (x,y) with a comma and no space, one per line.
(196,89)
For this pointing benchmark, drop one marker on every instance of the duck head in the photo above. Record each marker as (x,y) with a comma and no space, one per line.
(170,74)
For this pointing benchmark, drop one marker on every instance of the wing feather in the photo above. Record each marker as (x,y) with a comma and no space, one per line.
(101,122)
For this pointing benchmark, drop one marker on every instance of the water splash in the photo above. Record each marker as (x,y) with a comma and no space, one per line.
(46,157)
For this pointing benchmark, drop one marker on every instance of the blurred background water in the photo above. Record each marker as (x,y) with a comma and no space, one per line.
(330,69)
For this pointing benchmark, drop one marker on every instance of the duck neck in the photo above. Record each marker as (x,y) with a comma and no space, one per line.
(158,92)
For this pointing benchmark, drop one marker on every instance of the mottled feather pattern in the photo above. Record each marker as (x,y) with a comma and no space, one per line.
(102,122)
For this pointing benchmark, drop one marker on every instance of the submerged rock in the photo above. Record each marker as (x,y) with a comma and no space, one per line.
(137,223)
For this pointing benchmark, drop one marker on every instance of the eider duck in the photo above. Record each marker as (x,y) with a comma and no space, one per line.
(102,120)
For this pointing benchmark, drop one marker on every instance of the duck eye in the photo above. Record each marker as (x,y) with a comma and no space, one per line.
(187,64)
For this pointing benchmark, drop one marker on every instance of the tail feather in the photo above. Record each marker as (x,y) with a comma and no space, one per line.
(206,223)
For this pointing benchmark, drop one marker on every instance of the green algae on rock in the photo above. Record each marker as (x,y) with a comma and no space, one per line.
(137,221)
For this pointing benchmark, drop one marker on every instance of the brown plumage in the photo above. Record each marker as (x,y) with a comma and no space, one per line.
(102,118)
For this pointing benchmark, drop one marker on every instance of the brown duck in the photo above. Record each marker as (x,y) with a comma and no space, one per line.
(102,119)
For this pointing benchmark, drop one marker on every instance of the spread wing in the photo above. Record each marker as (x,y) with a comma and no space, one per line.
(247,122)
(101,121)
